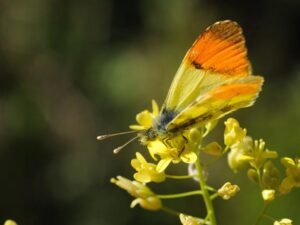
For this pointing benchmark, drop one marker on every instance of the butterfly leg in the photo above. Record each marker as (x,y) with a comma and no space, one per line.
(179,142)
(183,147)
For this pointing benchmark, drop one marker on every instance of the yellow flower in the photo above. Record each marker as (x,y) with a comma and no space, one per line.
(176,151)
(259,155)
(248,151)
(145,118)
(233,132)
(10,222)
(268,195)
(284,221)
(190,220)
(146,172)
(144,196)
(235,157)
(292,174)
(228,190)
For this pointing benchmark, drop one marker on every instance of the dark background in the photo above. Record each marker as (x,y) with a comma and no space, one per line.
(70,70)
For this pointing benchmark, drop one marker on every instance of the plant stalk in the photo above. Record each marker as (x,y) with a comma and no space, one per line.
(205,194)
(180,195)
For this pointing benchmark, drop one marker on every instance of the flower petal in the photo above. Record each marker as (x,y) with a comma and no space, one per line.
(163,164)
(135,164)
(155,108)
(142,176)
(144,118)
(189,157)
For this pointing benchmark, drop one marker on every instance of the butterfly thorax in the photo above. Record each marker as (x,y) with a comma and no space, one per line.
(159,127)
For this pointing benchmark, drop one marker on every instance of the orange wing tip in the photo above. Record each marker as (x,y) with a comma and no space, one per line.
(221,48)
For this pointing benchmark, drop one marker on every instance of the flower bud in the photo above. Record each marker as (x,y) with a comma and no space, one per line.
(150,203)
(213,148)
(143,194)
(194,135)
(10,222)
(252,175)
(286,185)
(233,132)
(271,176)
(237,155)
(190,220)
(228,190)
(284,221)
(268,195)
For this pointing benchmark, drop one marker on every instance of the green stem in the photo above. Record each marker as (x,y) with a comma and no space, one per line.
(180,195)
(181,176)
(269,217)
(225,150)
(262,213)
(215,195)
(206,196)
(259,178)
(170,211)
(188,177)
(210,188)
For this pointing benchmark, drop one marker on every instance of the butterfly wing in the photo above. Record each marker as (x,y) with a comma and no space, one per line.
(218,55)
(214,78)
(218,102)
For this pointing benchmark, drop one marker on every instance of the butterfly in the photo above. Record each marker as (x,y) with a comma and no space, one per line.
(214,79)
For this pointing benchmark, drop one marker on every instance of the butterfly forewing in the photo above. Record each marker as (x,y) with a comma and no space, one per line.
(221,48)
(218,55)
(213,79)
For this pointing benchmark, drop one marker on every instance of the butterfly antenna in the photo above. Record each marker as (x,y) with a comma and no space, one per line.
(118,149)
(103,137)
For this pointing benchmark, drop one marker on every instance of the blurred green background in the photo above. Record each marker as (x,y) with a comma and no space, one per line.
(70,70)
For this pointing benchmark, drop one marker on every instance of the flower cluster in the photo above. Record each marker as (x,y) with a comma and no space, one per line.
(187,146)
(246,152)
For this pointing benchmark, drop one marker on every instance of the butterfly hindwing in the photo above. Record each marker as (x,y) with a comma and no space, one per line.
(218,102)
